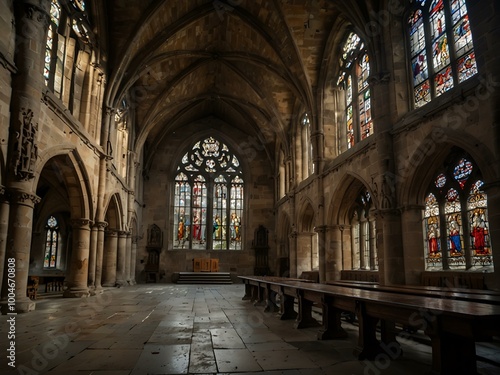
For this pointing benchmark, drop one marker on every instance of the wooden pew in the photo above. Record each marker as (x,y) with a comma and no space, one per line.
(473,295)
(452,325)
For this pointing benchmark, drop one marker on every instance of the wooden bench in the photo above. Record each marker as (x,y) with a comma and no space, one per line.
(474,295)
(452,325)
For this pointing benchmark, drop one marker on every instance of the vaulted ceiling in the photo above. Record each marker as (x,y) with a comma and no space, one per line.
(252,64)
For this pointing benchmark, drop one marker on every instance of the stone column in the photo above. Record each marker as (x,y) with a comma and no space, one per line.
(101,225)
(31,22)
(4,227)
(413,238)
(128,258)
(92,257)
(110,250)
(77,278)
(121,258)
(293,254)
(133,261)
(335,252)
(493,191)
(19,245)
(321,230)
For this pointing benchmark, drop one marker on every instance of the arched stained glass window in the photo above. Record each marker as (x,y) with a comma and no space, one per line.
(68,23)
(363,246)
(307,147)
(51,243)
(441,48)
(208,198)
(354,74)
(456,218)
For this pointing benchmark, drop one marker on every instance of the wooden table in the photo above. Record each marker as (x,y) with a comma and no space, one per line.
(452,325)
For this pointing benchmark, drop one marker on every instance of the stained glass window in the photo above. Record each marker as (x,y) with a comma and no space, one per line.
(208,198)
(61,53)
(456,218)
(307,146)
(354,77)
(51,243)
(363,246)
(433,42)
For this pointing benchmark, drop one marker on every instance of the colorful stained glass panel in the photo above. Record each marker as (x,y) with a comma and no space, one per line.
(443,81)
(466,67)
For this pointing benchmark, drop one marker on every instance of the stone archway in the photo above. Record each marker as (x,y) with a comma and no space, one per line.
(307,240)
(113,263)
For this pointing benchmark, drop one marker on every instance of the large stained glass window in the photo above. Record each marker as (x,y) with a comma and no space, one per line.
(68,23)
(354,75)
(208,198)
(456,224)
(51,243)
(363,245)
(441,49)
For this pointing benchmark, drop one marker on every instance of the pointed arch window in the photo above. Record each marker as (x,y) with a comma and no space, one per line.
(51,243)
(208,198)
(68,33)
(441,48)
(456,226)
(363,246)
(354,78)
(307,147)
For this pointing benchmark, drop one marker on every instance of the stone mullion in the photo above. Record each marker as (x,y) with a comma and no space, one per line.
(77,277)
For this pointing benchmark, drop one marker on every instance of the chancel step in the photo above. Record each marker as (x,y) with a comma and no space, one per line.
(204,278)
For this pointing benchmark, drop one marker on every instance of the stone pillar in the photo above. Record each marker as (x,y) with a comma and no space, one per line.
(121,258)
(128,257)
(77,278)
(92,257)
(334,256)
(19,246)
(110,250)
(101,225)
(31,22)
(391,262)
(4,227)
(293,254)
(133,261)
(321,232)
(413,239)
(493,191)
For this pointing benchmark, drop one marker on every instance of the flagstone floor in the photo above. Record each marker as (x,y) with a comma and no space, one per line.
(191,329)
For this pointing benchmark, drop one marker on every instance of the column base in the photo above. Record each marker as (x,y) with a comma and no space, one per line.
(76,293)
(120,283)
(133,282)
(22,306)
(109,284)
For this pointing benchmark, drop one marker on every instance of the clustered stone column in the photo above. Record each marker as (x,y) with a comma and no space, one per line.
(32,20)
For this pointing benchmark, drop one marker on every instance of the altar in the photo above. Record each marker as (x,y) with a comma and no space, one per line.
(205,265)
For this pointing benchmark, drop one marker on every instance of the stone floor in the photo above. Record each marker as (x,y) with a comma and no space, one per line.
(190,329)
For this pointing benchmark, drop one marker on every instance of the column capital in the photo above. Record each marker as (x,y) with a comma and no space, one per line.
(321,229)
(36,11)
(101,224)
(111,232)
(123,233)
(81,223)
(23,197)
(2,190)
